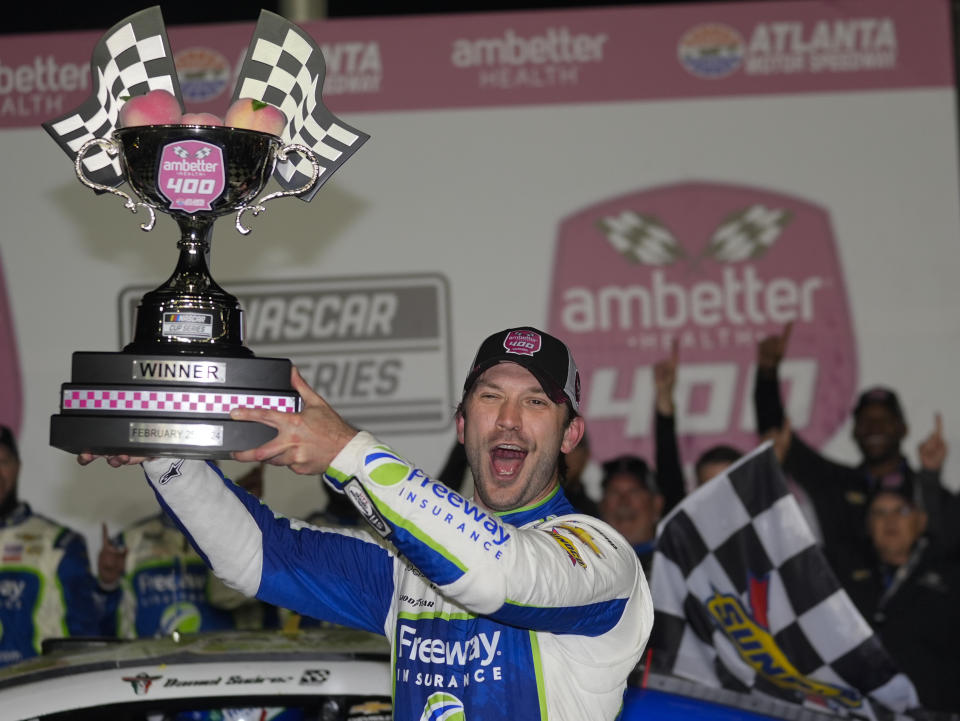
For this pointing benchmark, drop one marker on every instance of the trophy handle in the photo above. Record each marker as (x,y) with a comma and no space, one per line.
(111,148)
(282,155)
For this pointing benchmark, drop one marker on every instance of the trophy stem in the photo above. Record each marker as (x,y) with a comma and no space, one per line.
(190,313)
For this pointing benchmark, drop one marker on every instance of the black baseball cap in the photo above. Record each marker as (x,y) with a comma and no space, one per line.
(633,466)
(897,483)
(546,357)
(882,396)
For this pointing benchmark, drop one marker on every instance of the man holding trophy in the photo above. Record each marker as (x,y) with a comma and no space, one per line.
(509,604)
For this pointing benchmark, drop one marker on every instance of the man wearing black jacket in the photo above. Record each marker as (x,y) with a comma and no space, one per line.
(839,492)
(908,592)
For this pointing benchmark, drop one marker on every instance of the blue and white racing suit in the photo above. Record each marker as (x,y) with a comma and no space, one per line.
(537,613)
(46,587)
(167,587)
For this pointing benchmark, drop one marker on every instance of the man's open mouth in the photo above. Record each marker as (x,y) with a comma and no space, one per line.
(507,459)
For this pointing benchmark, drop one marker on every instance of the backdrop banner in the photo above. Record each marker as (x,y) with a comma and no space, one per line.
(622,177)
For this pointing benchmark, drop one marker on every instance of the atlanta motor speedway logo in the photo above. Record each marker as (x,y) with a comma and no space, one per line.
(715,267)
(377,348)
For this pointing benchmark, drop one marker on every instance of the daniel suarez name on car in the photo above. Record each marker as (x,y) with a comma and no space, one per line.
(454,509)
(413,647)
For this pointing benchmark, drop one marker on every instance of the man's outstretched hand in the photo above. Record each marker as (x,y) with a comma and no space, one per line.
(307,441)
(115,461)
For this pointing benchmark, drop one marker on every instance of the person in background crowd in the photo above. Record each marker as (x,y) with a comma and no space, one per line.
(571,471)
(711,462)
(154,583)
(632,504)
(714,461)
(839,492)
(908,591)
(669,464)
(543,612)
(46,587)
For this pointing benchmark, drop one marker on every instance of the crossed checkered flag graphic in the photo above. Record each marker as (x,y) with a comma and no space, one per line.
(745,599)
(748,233)
(641,238)
(285,67)
(132,58)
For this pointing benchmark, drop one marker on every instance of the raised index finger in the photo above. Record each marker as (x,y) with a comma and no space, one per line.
(785,336)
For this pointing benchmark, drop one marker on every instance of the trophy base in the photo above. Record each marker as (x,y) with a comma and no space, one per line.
(168,405)
(154,438)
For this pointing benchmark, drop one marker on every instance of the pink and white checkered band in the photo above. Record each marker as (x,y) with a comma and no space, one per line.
(172,401)
(522,342)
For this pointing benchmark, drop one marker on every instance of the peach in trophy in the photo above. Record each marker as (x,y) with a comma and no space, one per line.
(157,107)
(255,115)
(200,119)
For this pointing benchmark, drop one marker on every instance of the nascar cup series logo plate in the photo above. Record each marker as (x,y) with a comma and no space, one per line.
(716,268)
(191,174)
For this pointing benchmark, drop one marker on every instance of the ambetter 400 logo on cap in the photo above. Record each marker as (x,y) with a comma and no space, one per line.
(715,268)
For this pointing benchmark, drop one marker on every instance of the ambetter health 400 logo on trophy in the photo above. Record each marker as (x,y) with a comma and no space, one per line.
(171,389)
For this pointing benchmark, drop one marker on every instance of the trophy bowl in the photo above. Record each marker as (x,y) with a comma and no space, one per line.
(246,160)
(171,389)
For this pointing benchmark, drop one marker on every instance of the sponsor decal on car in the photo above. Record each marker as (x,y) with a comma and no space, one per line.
(314,676)
(141,682)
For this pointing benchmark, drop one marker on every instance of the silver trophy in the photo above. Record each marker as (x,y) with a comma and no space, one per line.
(171,389)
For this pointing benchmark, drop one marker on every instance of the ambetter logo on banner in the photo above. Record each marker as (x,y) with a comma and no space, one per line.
(716,267)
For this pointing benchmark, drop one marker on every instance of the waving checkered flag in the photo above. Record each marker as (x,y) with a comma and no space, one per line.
(745,599)
(132,58)
(285,67)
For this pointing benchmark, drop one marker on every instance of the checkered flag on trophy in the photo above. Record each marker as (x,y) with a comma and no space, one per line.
(132,58)
(285,68)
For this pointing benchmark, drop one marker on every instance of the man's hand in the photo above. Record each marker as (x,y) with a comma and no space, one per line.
(770,350)
(110,562)
(665,378)
(933,451)
(306,442)
(115,461)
